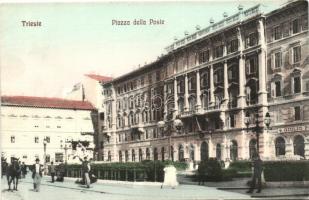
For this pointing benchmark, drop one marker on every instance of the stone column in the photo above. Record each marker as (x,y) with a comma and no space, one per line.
(165,111)
(262,64)
(226,85)
(186,96)
(113,134)
(212,86)
(289,148)
(198,90)
(306,147)
(175,98)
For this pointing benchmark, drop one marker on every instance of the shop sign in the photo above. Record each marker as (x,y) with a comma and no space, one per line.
(291,129)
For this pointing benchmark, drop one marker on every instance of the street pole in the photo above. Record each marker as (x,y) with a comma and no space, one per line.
(44,143)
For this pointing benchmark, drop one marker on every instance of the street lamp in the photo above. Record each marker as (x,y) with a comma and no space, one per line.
(257,129)
(177,124)
(44,144)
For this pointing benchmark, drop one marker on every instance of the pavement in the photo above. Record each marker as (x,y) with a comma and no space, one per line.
(69,190)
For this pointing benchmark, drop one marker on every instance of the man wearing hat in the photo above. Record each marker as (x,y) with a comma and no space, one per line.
(37,170)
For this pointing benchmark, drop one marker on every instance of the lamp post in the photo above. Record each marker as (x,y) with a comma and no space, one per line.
(45,144)
(257,128)
(177,124)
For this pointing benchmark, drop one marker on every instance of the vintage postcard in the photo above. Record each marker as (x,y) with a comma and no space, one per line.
(154,100)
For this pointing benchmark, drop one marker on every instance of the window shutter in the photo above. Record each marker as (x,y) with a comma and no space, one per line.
(304,22)
(272,89)
(272,61)
(247,66)
(291,114)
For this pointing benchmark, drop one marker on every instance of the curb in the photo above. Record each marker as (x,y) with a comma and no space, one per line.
(280,195)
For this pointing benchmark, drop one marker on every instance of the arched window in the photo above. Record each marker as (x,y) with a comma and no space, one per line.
(162,153)
(280,146)
(192,152)
(140,155)
(109,156)
(147,154)
(155,154)
(204,151)
(120,156)
(218,151)
(234,150)
(181,153)
(299,146)
(192,103)
(252,148)
(126,155)
(133,155)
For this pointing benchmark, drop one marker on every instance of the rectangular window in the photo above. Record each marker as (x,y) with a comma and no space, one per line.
(277,33)
(36,139)
(142,81)
(297,84)
(219,51)
(158,76)
(101,144)
(251,65)
(12,139)
(296,27)
(150,78)
(203,56)
(278,59)
(252,40)
(232,120)
(232,46)
(278,88)
(297,113)
(296,54)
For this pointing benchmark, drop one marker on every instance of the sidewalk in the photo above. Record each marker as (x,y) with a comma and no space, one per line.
(239,185)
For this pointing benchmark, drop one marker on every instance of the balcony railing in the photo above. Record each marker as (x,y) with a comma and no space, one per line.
(215,27)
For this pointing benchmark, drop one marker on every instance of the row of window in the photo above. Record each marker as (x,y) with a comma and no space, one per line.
(280,149)
(141,81)
(295,57)
(37,116)
(36,139)
(296,85)
(290,27)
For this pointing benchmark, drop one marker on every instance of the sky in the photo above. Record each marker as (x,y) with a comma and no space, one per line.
(78,38)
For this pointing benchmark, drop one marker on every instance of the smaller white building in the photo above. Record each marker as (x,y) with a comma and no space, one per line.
(34,127)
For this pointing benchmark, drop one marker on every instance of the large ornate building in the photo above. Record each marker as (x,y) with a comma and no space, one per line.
(38,127)
(205,96)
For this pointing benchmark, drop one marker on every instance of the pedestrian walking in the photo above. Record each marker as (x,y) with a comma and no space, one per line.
(257,174)
(37,170)
(52,169)
(86,171)
(23,170)
(60,172)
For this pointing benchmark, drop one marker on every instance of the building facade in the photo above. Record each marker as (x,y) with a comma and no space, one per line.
(29,122)
(192,103)
(91,89)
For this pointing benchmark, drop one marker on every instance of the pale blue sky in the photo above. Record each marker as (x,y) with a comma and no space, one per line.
(79,38)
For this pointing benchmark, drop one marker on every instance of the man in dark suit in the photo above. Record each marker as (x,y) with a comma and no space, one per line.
(37,170)
(257,174)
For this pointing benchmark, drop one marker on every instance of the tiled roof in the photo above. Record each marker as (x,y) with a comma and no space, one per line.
(46,102)
(99,77)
